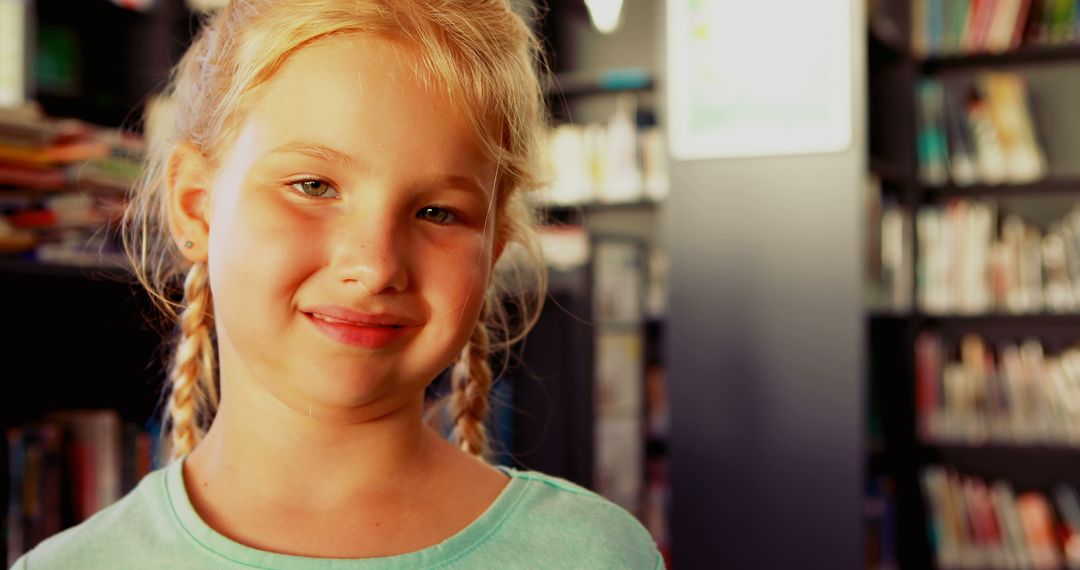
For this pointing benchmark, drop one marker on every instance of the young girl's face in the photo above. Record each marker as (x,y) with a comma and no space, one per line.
(351,193)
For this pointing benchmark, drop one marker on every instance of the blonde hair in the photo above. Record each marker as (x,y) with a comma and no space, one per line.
(480,53)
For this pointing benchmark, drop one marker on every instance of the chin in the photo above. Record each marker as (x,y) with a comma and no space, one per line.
(354,387)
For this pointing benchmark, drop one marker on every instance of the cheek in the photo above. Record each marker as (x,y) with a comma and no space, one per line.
(455,272)
(256,259)
(454,282)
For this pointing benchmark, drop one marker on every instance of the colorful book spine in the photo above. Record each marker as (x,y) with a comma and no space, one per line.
(975,523)
(973,259)
(63,469)
(957,27)
(1011,394)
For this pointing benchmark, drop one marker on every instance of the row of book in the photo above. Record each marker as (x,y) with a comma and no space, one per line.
(978,130)
(1008,393)
(63,469)
(606,163)
(969,263)
(62,183)
(979,524)
(952,27)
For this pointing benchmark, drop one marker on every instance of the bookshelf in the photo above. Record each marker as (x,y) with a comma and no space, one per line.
(1019,57)
(1051,186)
(79,337)
(899,62)
(625,321)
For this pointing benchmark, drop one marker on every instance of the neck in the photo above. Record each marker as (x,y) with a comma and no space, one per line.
(313,460)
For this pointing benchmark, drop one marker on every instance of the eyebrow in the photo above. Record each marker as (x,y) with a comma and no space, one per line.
(323,152)
(318,151)
(458,182)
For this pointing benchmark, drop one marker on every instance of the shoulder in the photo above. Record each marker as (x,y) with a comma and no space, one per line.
(596,532)
(131,527)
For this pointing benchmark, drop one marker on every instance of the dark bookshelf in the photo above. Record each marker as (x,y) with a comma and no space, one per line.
(612,81)
(20,266)
(576,214)
(889,173)
(1023,56)
(1031,322)
(1031,466)
(1047,187)
(896,451)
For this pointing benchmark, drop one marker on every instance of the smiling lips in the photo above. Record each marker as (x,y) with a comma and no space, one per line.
(354,328)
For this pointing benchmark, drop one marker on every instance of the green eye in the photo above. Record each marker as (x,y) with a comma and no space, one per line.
(313,187)
(436,215)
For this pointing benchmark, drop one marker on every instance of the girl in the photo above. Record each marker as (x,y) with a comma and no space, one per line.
(340,180)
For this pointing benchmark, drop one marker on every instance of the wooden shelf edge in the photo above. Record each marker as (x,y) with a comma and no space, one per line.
(580,84)
(1049,186)
(1027,55)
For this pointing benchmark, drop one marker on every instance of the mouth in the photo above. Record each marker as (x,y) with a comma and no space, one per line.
(369,324)
(365,330)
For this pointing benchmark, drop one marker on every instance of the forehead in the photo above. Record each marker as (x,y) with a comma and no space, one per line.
(360,94)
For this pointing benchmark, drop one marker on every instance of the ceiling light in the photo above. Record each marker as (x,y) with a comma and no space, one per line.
(605,14)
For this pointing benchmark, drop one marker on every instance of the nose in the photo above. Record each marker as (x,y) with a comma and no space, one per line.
(369,249)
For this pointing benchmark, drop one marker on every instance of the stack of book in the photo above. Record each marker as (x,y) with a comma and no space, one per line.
(966,265)
(978,131)
(1009,394)
(67,467)
(63,182)
(952,27)
(614,162)
(975,524)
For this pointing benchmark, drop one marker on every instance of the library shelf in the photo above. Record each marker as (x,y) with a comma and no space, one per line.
(889,172)
(572,214)
(611,81)
(1046,187)
(1020,322)
(1023,56)
(1031,322)
(895,71)
(1031,466)
(10,265)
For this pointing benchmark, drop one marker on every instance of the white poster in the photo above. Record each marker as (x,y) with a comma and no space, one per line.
(12,52)
(758,78)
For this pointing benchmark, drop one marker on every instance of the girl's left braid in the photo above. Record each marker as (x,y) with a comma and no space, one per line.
(193,364)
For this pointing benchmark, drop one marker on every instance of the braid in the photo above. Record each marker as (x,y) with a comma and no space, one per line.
(471,379)
(194,392)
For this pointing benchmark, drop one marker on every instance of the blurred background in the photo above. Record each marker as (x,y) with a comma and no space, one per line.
(815,274)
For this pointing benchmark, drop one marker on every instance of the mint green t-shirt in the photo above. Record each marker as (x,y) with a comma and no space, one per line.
(538,521)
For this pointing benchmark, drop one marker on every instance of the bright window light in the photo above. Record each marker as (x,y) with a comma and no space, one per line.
(605,14)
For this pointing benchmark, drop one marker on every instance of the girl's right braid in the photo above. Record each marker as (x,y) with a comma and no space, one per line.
(471,381)
(193,364)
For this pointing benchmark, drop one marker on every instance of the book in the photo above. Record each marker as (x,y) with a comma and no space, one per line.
(962,170)
(958,27)
(931,144)
(1008,393)
(976,523)
(1024,160)
(67,466)
(1037,520)
(970,263)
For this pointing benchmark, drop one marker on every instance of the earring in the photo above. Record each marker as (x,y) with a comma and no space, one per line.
(189,244)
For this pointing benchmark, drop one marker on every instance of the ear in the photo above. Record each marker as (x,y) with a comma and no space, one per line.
(187,185)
